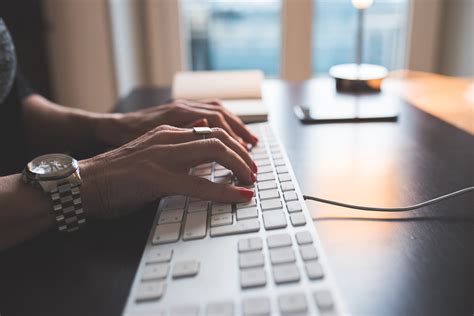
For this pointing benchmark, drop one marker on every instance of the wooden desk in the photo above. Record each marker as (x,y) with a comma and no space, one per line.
(419,263)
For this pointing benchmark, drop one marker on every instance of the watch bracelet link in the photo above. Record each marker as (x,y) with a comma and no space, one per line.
(67,206)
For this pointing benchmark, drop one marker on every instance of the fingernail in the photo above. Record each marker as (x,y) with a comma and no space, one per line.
(200,123)
(255,139)
(246,193)
(253,176)
(254,167)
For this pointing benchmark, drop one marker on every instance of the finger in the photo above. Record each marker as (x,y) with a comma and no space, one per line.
(186,135)
(198,123)
(208,191)
(198,152)
(190,113)
(234,121)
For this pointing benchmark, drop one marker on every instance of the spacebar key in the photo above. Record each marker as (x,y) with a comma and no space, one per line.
(240,227)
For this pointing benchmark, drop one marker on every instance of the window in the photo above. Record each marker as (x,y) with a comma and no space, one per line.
(244,34)
(334,33)
(237,34)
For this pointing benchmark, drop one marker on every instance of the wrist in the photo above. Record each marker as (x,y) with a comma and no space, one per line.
(109,129)
(92,197)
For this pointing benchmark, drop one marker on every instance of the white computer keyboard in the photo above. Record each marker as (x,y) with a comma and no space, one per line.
(258,258)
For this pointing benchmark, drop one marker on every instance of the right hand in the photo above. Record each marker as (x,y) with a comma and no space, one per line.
(157,164)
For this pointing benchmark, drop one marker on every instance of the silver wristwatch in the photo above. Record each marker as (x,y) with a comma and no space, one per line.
(58,176)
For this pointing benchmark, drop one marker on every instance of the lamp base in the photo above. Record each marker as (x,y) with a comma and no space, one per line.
(358,78)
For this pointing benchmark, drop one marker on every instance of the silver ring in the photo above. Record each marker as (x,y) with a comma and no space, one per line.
(204,131)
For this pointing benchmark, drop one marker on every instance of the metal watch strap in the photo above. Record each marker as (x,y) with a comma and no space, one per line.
(67,206)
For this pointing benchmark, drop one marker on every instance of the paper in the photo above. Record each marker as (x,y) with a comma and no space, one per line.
(218,84)
(239,91)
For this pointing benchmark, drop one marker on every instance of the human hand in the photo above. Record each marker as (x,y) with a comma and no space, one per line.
(157,164)
(118,129)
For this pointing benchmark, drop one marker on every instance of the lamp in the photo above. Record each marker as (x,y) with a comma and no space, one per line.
(359,77)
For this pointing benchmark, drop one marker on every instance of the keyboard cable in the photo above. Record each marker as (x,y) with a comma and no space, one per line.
(392,209)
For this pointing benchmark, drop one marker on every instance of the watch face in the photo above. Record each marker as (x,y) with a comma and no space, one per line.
(52,166)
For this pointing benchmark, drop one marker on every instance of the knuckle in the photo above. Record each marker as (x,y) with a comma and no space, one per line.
(163,128)
(216,144)
(219,132)
(218,116)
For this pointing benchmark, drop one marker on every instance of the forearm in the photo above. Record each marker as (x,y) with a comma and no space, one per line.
(53,128)
(24,211)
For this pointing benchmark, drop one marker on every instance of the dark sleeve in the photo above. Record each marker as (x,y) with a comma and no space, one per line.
(23,88)
(12,136)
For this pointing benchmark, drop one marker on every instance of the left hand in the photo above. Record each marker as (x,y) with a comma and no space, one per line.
(118,129)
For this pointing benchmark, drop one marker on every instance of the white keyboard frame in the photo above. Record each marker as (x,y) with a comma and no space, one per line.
(218,277)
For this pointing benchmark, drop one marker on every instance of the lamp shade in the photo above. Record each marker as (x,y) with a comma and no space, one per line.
(362,4)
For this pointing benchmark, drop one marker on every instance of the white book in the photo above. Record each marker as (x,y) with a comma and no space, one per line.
(239,91)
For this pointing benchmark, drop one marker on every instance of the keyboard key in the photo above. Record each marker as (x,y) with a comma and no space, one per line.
(279,162)
(239,227)
(269,194)
(249,244)
(173,203)
(195,227)
(148,291)
(198,206)
(174,216)
(287,186)
(166,233)
(290,196)
(281,169)
(220,309)
(251,259)
(250,203)
(270,204)
(293,304)
(294,206)
(155,271)
(253,278)
(265,169)
(204,166)
(185,269)
(308,252)
(297,219)
(188,310)
(274,219)
(202,172)
(304,238)
(267,185)
(256,306)
(221,219)
(222,173)
(323,299)
(245,213)
(265,177)
(282,255)
(220,208)
(223,180)
(284,177)
(156,255)
(260,156)
(279,240)
(314,270)
(277,156)
(286,273)
(262,162)
(219,167)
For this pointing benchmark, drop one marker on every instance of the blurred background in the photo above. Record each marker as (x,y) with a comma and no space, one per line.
(89,53)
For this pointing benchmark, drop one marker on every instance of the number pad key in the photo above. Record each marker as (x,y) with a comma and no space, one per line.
(286,273)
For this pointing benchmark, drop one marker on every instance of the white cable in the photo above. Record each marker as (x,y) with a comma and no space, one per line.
(392,209)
